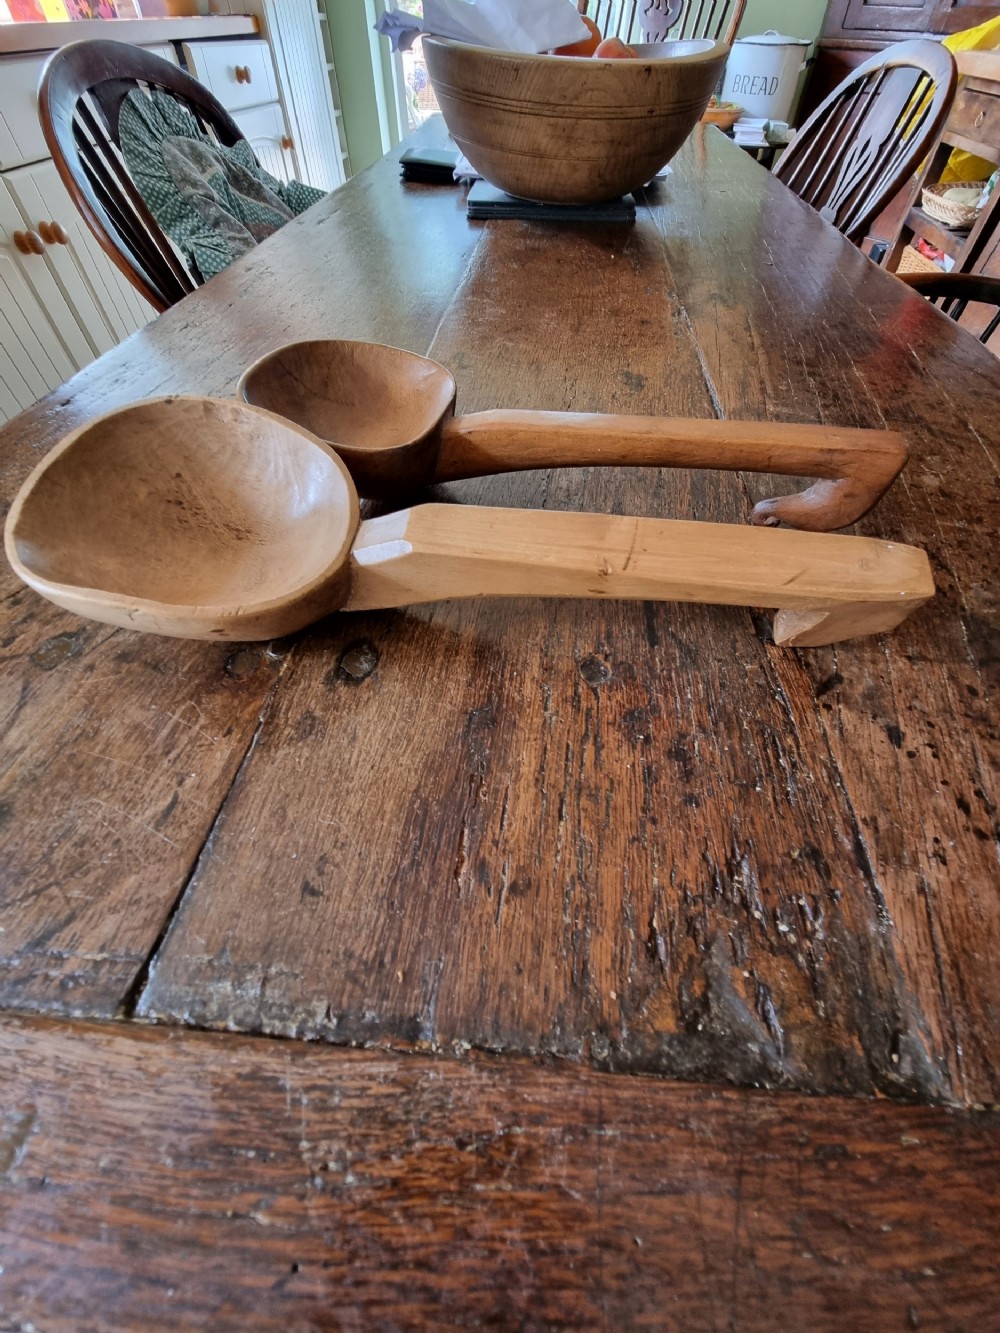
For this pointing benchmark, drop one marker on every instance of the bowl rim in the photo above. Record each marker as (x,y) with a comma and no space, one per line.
(712,50)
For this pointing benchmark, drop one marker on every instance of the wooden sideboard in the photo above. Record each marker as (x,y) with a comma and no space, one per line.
(854,29)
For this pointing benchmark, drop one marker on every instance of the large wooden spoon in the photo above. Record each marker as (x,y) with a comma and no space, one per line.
(209,519)
(389,414)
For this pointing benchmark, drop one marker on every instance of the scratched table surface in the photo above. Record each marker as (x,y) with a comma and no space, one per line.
(670,960)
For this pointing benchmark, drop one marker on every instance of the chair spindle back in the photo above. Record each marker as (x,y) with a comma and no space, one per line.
(82,90)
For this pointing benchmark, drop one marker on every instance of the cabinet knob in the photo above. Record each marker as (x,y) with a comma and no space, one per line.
(286,141)
(28,243)
(244,74)
(979,119)
(53,233)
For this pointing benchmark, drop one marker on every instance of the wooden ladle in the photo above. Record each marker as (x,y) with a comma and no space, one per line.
(210,519)
(389,414)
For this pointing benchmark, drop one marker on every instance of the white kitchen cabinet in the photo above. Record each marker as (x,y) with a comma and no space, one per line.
(21,138)
(32,359)
(104,304)
(242,76)
(38,274)
(306,81)
(66,304)
(165,51)
(278,91)
(238,74)
(265,131)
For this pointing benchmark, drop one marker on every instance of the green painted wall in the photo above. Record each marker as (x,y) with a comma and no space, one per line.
(794,18)
(363,64)
(350,25)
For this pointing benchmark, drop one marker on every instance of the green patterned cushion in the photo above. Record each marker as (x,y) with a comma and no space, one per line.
(214,203)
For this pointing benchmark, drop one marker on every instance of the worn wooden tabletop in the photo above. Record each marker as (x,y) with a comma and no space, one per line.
(564,867)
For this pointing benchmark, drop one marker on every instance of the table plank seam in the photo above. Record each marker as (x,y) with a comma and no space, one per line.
(174,1180)
(711,388)
(128,1008)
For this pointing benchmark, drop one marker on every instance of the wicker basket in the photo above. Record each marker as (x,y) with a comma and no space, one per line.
(946,210)
(912,261)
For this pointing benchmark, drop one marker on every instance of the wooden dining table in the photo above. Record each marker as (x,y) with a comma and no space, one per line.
(519,962)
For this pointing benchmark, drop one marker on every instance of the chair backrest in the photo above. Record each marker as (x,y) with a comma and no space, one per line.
(952,292)
(860,146)
(80,97)
(676,19)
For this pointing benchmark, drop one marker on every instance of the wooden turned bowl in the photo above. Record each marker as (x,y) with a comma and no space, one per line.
(725,115)
(572,130)
(196,517)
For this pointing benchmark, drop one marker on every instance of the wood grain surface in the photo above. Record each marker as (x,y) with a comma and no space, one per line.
(171,1180)
(632,835)
(913,732)
(117,752)
(96,849)
(634,841)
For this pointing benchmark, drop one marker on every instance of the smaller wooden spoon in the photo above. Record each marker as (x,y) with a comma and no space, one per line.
(389,414)
(209,519)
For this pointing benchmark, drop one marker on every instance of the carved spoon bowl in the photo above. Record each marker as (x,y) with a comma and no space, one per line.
(191,516)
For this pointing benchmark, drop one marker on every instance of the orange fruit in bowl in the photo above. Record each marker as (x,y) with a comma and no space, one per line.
(613,48)
(587,46)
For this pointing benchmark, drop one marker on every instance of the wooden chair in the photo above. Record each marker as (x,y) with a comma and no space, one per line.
(80,96)
(952,292)
(718,19)
(867,138)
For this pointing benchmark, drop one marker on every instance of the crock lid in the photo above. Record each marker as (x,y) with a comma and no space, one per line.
(772,38)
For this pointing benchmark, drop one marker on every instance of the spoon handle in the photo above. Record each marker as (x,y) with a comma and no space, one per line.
(826,587)
(857,466)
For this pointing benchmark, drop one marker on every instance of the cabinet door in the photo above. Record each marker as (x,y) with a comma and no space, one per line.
(956,15)
(240,74)
(304,74)
(21,138)
(890,15)
(32,359)
(265,131)
(165,51)
(39,276)
(105,303)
